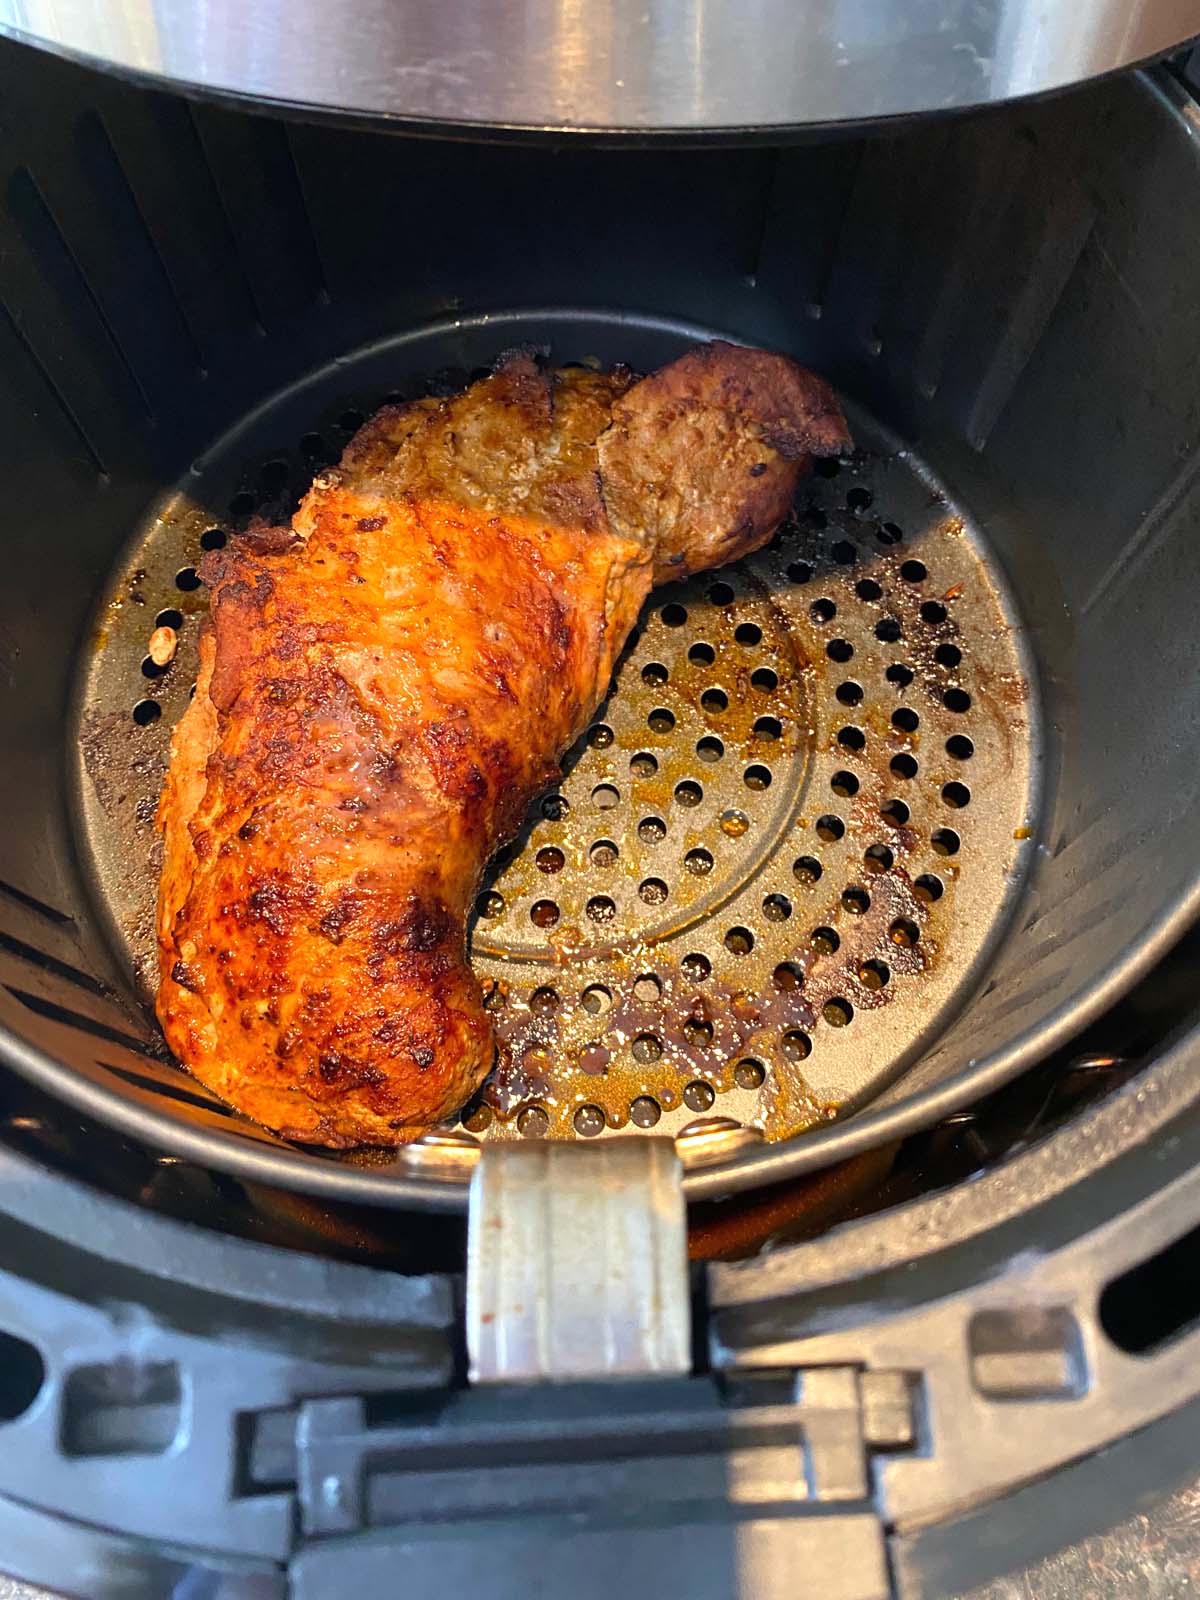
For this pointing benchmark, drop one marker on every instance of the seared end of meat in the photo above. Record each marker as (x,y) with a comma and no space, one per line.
(703,458)
(338,1010)
(335,1014)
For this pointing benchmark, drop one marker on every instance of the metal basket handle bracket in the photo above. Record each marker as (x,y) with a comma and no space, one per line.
(577,1262)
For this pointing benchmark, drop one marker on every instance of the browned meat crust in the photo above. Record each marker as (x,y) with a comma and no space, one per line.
(384,687)
(703,458)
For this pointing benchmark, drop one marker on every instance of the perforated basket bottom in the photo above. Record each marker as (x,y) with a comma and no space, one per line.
(777,860)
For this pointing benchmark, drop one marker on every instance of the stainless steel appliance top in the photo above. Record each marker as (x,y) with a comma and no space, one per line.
(613,65)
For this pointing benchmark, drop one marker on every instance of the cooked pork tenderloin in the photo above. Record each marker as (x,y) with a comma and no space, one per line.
(386,684)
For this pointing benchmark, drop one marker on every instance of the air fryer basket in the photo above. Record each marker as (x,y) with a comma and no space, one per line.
(867,824)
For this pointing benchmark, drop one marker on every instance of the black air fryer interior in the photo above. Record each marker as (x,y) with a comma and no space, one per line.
(1012,294)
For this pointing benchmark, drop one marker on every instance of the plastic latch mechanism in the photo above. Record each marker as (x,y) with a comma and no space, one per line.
(577,1262)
